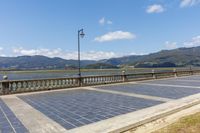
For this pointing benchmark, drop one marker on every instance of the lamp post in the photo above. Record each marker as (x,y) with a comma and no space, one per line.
(80,33)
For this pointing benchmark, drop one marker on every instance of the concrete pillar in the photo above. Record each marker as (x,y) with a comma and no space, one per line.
(153,73)
(80,83)
(175,73)
(123,76)
(191,72)
(5,85)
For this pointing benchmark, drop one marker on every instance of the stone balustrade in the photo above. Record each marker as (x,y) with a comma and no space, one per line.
(16,86)
(19,86)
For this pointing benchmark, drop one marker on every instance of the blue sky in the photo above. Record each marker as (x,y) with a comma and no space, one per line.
(113,27)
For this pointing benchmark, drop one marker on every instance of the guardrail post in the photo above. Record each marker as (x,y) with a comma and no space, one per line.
(153,73)
(124,76)
(175,73)
(5,85)
(80,83)
(191,72)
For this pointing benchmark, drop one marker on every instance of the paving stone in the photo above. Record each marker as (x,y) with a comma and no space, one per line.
(85,121)
(81,107)
(178,82)
(68,126)
(5,126)
(7,130)
(153,90)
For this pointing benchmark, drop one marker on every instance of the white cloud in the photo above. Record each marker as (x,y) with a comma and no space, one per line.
(1,54)
(117,35)
(189,3)
(97,55)
(195,41)
(103,21)
(155,8)
(90,55)
(171,45)
(109,22)
(47,52)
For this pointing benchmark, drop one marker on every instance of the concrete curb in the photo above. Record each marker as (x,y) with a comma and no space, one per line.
(164,121)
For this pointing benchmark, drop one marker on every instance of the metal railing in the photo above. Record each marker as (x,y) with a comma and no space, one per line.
(19,86)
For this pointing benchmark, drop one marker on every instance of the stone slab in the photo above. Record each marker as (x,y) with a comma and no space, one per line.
(33,120)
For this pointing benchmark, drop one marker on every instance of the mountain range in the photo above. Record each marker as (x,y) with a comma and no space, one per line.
(166,58)
(39,62)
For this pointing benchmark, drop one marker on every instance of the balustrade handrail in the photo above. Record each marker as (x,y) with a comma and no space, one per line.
(39,79)
(94,76)
(16,86)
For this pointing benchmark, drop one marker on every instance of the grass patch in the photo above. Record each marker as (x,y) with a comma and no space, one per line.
(188,124)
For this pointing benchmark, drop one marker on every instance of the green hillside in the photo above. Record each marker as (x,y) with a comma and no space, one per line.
(180,57)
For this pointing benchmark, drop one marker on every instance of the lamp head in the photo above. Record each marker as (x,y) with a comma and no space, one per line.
(82,34)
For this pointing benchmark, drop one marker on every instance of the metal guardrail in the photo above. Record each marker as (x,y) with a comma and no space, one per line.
(19,86)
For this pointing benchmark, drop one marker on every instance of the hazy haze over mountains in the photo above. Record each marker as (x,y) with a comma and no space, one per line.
(165,58)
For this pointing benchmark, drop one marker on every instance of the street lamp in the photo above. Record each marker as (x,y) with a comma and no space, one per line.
(80,33)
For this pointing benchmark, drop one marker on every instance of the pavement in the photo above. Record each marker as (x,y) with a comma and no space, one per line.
(97,109)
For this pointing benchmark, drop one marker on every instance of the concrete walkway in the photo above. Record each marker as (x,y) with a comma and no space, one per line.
(128,110)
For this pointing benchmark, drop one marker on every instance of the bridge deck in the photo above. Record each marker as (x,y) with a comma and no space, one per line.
(88,107)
